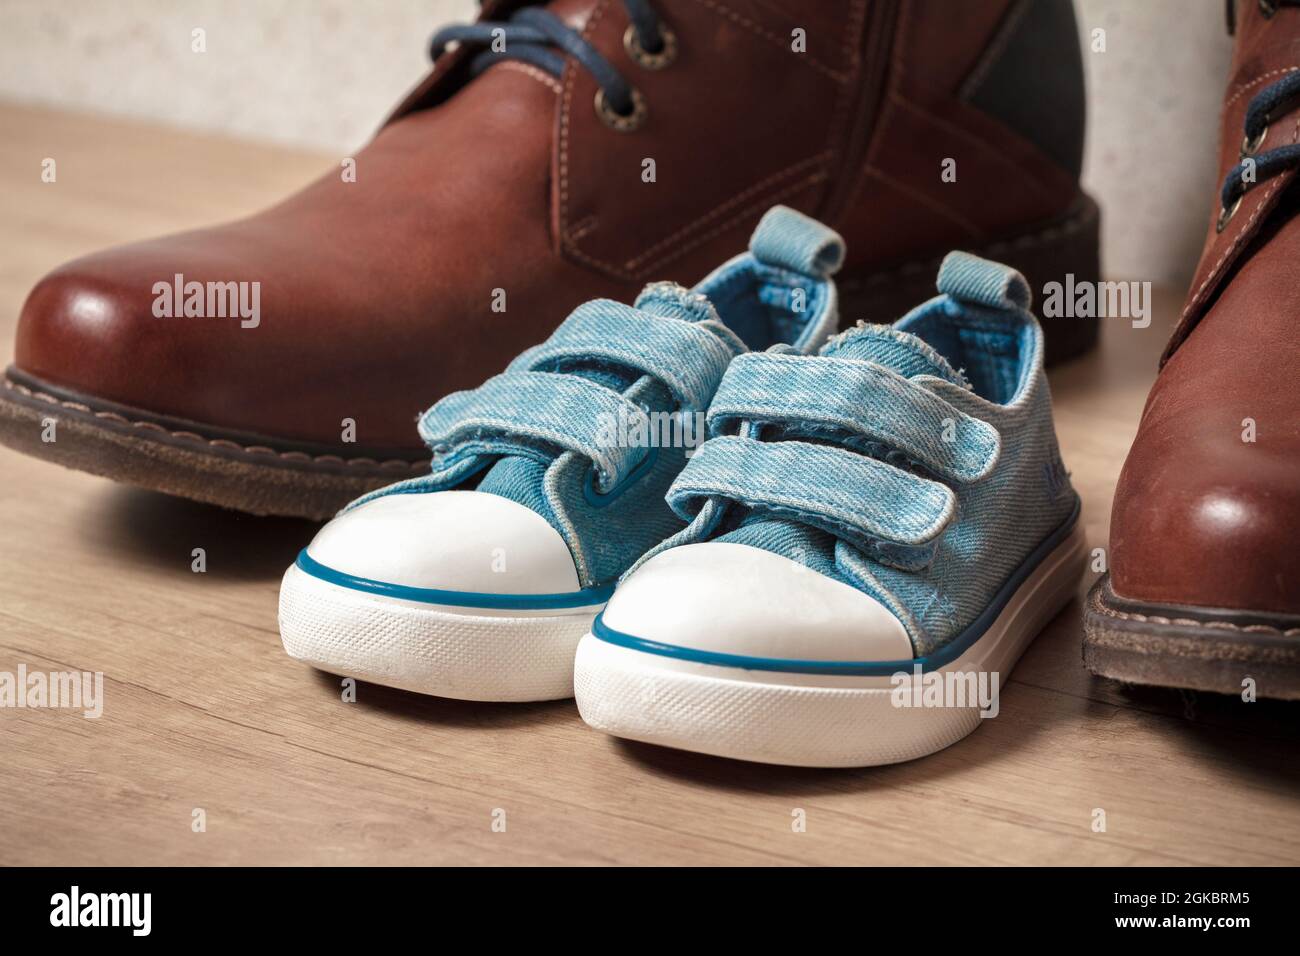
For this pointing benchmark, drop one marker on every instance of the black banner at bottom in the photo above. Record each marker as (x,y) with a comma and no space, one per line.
(233,905)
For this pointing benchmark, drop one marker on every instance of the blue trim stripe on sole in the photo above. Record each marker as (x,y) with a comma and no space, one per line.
(949,653)
(588,597)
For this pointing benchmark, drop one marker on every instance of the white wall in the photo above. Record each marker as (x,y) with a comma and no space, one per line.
(1154,100)
(324,72)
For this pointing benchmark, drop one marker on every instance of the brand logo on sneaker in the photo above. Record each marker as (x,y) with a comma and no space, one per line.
(1098,300)
(208,300)
(1056,478)
(74,908)
(946,689)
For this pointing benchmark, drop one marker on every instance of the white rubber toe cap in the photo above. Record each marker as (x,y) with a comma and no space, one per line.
(733,599)
(451,541)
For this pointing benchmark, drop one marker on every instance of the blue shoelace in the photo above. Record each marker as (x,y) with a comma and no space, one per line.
(541,39)
(1268,105)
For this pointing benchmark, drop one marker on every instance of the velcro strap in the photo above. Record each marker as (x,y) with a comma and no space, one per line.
(815,393)
(521,410)
(688,358)
(858,499)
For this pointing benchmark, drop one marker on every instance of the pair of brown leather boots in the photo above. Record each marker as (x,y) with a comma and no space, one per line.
(579,148)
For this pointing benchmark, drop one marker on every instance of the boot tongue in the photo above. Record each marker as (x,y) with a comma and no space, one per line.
(899,351)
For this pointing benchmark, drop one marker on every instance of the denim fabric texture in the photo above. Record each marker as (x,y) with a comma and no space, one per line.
(916,462)
(589,428)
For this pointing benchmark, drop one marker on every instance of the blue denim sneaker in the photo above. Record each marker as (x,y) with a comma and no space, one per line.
(478,580)
(876,534)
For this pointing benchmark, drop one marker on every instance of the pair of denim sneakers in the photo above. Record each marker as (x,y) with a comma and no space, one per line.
(828,549)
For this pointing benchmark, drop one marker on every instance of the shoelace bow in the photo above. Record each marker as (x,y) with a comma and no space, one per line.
(541,39)
(1268,105)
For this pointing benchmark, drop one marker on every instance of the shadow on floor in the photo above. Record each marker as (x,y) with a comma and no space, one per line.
(739,776)
(1021,721)
(407,705)
(1264,720)
(161,532)
(1254,741)
(1261,750)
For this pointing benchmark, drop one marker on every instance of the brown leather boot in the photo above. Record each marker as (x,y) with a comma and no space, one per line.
(1204,583)
(612,143)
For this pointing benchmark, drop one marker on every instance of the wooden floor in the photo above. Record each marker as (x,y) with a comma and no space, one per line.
(203,709)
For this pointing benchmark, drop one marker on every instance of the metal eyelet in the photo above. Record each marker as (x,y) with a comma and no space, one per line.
(1268,8)
(623,122)
(1249,146)
(1228,212)
(666,53)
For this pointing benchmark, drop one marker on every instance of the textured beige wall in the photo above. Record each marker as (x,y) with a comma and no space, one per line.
(304,72)
(1153,129)
(323,73)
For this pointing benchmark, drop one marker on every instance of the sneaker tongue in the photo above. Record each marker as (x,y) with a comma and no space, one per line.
(662,300)
(668,300)
(520,479)
(900,351)
(672,301)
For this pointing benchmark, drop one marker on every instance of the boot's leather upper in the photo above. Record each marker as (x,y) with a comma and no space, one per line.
(377,296)
(1207,510)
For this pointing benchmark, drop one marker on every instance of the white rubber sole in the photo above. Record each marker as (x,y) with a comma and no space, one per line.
(810,720)
(464,653)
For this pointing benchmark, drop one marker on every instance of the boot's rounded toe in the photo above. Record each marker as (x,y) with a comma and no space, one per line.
(114,326)
(83,328)
(1203,527)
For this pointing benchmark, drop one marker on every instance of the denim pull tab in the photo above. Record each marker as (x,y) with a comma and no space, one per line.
(788,239)
(980,282)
